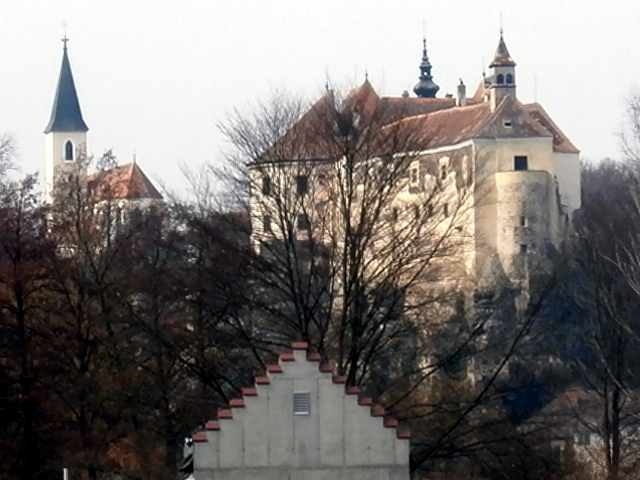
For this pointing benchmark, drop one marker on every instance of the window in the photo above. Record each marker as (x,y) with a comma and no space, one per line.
(509,78)
(394,214)
(507,123)
(416,211)
(523,221)
(523,248)
(303,221)
(445,210)
(500,79)
(266,223)
(302,184)
(301,403)
(415,176)
(443,167)
(520,162)
(266,185)
(68,150)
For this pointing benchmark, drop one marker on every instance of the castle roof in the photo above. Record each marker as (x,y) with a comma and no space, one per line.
(65,114)
(502,57)
(123,182)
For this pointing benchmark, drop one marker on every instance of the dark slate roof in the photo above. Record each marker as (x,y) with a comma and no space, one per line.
(66,115)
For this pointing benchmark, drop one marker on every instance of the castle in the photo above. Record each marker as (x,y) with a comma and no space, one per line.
(509,172)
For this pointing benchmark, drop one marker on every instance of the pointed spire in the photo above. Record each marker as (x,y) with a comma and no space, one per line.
(502,57)
(426,86)
(66,115)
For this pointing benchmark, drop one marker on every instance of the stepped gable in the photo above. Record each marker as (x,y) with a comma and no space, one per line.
(263,381)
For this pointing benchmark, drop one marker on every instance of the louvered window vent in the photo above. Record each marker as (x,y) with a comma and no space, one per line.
(301,403)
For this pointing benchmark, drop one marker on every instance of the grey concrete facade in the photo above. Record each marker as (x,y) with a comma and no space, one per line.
(343,436)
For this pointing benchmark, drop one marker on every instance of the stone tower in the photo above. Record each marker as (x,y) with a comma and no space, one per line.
(66,133)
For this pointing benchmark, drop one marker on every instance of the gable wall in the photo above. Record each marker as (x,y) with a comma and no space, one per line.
(338,440)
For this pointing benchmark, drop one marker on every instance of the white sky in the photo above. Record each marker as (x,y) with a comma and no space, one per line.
(155,76)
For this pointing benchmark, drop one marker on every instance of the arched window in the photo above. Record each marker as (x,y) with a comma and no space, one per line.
(500,79)
(509,78)
(68,150)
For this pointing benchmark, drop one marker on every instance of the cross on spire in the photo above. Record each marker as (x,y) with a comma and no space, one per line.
(65,39)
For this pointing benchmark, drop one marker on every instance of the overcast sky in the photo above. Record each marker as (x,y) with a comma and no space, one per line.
(155,76)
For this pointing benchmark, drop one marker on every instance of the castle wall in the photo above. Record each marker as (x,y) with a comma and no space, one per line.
(568,173)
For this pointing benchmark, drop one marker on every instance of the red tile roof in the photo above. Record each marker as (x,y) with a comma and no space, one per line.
(123,182)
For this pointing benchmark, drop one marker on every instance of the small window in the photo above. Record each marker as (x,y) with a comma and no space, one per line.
(302,184)
(266,185)
(523,248)
(500,79)
(509,78)
(520,162)
(68,151)
(416,211)
(394,214)
(507,123)
(266,223)
(415,176)
(301,403)
(523,221)
(445,210)
(303,221)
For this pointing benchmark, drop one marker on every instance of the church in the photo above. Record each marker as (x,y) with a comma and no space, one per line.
(66,149)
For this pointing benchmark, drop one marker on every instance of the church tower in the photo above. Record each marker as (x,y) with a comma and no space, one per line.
(503,81)
(66,133)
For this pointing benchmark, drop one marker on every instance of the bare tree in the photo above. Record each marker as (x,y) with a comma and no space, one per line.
(353,232)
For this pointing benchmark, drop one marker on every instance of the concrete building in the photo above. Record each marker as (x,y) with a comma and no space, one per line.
(66,152)
(299,422)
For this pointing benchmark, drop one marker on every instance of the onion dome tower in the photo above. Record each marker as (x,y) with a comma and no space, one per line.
(426,88)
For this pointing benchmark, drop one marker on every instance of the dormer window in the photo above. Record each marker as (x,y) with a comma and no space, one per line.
(68,151)
(507,123)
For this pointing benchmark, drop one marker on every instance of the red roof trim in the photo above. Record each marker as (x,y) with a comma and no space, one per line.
(300,345)
(212,425)
(249,391)
(274,368)
(236,402)
(225,413)
(287,357)
(199,437)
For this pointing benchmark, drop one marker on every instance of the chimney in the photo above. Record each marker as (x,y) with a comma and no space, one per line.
(461,95)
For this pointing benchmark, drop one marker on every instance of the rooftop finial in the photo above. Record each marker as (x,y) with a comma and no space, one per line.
(65,39)
(425,87)
(501,29)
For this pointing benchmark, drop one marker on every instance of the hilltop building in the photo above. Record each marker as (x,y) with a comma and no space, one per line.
(66,147)
(518,172)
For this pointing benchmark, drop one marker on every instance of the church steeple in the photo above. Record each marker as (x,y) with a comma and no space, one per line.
(66,115)
(503,80)
(426,86)
(66,133)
